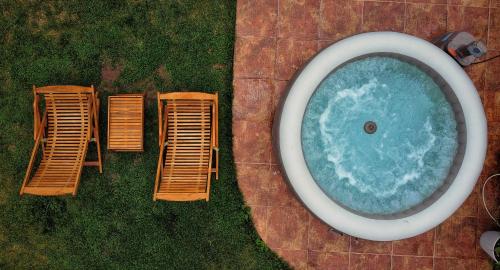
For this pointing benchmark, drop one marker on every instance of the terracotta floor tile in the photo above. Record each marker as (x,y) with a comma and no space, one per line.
(254,57)
(470,3)
(418,17)
(412,263)
(453,263)
(298,19)
(427,1)
(492,159)
(252,99)
(274,157)
(492,113)
(340,18)
(484,264)
(279,89)
(366,246)
(383,16)
(253,181)
(496,109)
(256,18)
(421,245)
(456,237)
(296,258)
(458,20)
(492,103)
(469,207)
(477,74)
(280,193)
(492,71)
(328,260)
(288,228)
(324,43)
(494,25)
(482,95)
(396,1)
(252,141)
(493,131)
(291,55)
(491,196)
(321,238)
(305,26)
(259,219)
(370,262)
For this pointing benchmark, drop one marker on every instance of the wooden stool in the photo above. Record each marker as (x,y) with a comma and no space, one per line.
(126,122)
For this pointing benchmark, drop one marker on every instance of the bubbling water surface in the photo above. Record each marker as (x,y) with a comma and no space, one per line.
(401,164)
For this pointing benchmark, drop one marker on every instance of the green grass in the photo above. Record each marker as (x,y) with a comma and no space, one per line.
(113,223)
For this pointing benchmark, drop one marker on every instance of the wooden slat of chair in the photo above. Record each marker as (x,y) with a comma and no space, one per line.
(126,122)
(66,129)
(187,125)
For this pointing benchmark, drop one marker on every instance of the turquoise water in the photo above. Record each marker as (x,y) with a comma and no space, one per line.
(404,161)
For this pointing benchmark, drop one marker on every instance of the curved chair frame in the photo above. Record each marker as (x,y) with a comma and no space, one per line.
(188,140)
(70,122)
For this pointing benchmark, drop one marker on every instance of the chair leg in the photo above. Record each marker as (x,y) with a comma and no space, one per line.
(217,165)
(96,135)
(98,152)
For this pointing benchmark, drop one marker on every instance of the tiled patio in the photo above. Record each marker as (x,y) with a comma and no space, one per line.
(273,39)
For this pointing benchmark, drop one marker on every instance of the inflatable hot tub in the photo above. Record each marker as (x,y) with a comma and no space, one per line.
(381,135)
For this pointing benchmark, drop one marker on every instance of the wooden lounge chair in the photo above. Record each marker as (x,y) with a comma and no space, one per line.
(188,124)
(64,132)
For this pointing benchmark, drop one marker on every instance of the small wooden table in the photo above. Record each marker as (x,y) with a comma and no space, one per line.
(126,122)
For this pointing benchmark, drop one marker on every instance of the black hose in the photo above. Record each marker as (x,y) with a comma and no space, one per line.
(486,60)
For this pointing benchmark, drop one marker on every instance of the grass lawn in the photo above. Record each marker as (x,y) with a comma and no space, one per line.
(113,223)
